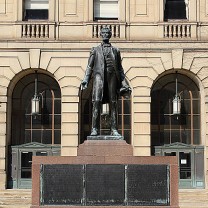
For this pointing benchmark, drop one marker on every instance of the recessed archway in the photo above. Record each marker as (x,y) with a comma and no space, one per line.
(178,133)
(167,128)
(85,116)
(32,134)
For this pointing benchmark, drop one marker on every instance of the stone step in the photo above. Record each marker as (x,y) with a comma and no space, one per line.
(22,198)
(15,206)
(193,198)
(12,198)
(193,205)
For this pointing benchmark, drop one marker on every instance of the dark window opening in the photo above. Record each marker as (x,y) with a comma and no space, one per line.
(36,14)
(36,10)
(175,9)
(185,165)
(105,18)
(26,164)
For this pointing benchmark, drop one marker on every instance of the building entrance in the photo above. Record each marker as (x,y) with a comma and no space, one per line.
(35,125)
(176,126)
(21,167)
(190,163)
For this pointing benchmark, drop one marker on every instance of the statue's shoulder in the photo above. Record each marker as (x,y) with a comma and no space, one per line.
(96,49)
(116,49)
(92,50)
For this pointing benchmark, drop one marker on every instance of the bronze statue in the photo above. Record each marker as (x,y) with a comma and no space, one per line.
(108,80)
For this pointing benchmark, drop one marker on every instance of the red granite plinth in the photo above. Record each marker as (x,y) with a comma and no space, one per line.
(105,152)
(105,148)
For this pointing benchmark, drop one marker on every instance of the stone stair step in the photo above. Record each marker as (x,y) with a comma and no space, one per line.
(192,198)
(12,198)
(193,206)
(15,206)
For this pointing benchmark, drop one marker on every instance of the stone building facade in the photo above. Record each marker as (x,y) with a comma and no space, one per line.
(163,54)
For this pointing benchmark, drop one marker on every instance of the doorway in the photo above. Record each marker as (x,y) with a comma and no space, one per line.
(178,133)
(21,167)
(190,163)
(33,134)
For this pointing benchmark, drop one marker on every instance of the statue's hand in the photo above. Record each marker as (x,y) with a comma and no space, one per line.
(84,85)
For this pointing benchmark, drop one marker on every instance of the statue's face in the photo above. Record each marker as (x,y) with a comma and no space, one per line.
(105,34)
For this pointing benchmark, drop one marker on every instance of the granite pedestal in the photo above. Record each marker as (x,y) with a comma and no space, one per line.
(105,174)
(105,137)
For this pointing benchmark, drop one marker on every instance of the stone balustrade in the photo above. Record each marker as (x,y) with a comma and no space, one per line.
(115,28)
(120,30)
(35,30)
(179,30)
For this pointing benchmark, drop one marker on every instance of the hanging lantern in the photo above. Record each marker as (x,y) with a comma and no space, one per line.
(176,101)
(176,105)
(105,109)
(35,105)
(35,102)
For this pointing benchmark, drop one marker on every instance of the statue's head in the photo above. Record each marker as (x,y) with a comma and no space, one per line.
(105,33)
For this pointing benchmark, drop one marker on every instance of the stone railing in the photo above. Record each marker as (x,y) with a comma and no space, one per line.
(179,30)
(115,28)
(37,30)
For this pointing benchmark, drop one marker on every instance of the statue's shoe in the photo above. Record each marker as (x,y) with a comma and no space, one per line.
(115,133)
(94,132)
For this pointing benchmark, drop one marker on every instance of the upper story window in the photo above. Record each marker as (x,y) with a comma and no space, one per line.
(176,9)
(36,9)
(105,9)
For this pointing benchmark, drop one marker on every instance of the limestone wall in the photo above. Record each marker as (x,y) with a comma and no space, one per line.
(66,62)
(73,20)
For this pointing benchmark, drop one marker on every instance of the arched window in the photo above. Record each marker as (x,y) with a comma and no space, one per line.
(44,127)
(33,134)
(167,128)
(124,116)
(178,134)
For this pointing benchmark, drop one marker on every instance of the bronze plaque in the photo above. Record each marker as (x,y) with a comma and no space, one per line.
(148,185)
(62,184)
(105,185)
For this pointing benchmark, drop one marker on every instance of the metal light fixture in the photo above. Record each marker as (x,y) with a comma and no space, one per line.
(105,109)
(176,100)
(35,102)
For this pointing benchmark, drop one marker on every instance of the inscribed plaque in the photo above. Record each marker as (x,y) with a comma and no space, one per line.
(148,185)
(105,185)
(62,184)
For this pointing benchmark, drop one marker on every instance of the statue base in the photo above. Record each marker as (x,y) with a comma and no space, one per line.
(105,137)
(105,174)
(105,148)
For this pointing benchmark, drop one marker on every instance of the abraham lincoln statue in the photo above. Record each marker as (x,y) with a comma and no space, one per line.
(108,81)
